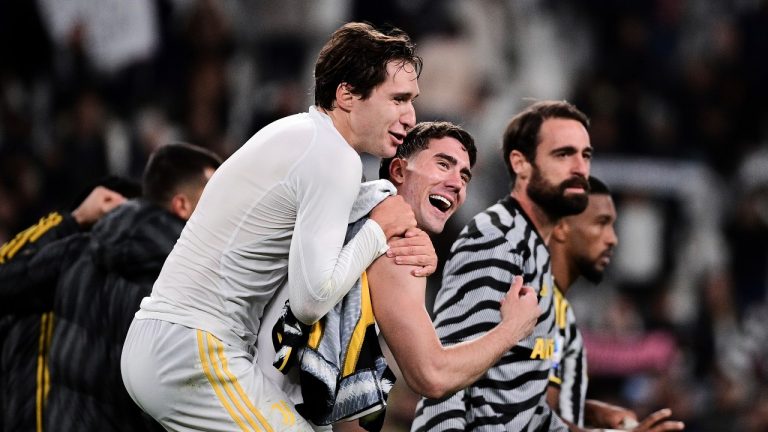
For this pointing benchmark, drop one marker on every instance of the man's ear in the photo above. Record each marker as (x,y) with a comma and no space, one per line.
(397,171)
(520,164)
(344,96)
(560,231)
(181,206)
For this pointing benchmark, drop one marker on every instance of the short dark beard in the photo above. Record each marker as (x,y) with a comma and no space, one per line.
(589,271)
(552,199)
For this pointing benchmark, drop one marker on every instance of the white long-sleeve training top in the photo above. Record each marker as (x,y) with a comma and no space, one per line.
(276,210)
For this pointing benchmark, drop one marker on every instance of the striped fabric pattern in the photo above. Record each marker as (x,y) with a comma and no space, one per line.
(228,390)
(25,338)
(569,369)
(496,245)
(343,373)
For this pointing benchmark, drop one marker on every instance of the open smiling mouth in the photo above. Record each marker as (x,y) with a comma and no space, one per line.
(442,203)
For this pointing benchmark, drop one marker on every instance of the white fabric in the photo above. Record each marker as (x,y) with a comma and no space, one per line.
(276,210)
(371,193)
(189,381)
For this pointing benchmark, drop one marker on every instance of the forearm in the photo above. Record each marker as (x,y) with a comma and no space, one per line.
(428,367)
(458,366)
(605,415)
(313,292)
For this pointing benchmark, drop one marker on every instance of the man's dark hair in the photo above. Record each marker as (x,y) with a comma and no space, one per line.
(358,54)
(522,133)
(418,139)
(597,187)
(173,166)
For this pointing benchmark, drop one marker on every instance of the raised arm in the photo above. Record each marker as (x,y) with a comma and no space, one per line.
(429,368)
(321,268)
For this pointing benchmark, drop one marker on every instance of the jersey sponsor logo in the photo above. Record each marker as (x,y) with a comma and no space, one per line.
(543,349)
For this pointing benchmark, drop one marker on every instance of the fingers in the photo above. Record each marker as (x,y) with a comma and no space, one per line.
(112,200)
(519,310)
(517,284)
(626,422)
(651,423)
(98,203)
(668,426)
(415,256)
(526,291)
(416,250)
(518,291)
(654,418)
(394,216)
(413,232)
(424,271)
(418,238)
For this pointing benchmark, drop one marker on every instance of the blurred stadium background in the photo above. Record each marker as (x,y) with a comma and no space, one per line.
(677,92)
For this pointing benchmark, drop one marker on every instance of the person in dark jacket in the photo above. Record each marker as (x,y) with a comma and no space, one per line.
(23,334)
(100,278)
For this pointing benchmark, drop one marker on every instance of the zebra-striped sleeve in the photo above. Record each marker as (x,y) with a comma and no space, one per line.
(569,368)
(496,245)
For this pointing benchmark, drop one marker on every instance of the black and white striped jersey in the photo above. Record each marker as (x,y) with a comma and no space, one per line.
(569,363)
(496,245)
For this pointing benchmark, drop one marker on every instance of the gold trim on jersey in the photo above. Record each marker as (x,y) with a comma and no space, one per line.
(358,335)
(29,235)
(561,309)
(43,375)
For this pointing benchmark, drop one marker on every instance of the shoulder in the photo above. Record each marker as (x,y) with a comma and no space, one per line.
(287,133)
(488,230)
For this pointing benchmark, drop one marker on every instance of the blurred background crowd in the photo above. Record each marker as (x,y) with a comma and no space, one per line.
(676,91)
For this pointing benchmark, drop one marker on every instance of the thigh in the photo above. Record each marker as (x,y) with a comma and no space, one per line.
(194,381)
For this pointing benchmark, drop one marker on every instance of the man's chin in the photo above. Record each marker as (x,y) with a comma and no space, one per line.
(433,228)
(573,204)
(594,276)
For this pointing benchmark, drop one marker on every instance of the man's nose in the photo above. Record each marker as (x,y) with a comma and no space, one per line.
(408,117)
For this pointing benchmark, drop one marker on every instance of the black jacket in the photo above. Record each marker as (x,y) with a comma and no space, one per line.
(100,278)
(23,342)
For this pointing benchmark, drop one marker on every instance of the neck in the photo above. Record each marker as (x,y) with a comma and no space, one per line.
(563,271)
(340,120)
(541,220)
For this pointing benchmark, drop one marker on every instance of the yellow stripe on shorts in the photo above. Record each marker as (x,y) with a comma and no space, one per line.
(215,383)
(238,388)
(225,384)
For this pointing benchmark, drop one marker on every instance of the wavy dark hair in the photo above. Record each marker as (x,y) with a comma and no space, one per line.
(358,54)
(418,139)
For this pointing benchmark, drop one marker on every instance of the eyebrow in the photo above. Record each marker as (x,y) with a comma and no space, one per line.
(571,149)
(453,161)
(408,95)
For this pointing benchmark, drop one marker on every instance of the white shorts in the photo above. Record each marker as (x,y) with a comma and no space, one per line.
(187,379)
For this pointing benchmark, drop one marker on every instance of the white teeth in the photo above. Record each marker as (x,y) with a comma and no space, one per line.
(442,200)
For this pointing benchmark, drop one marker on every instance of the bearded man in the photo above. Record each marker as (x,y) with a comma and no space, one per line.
(547,151)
